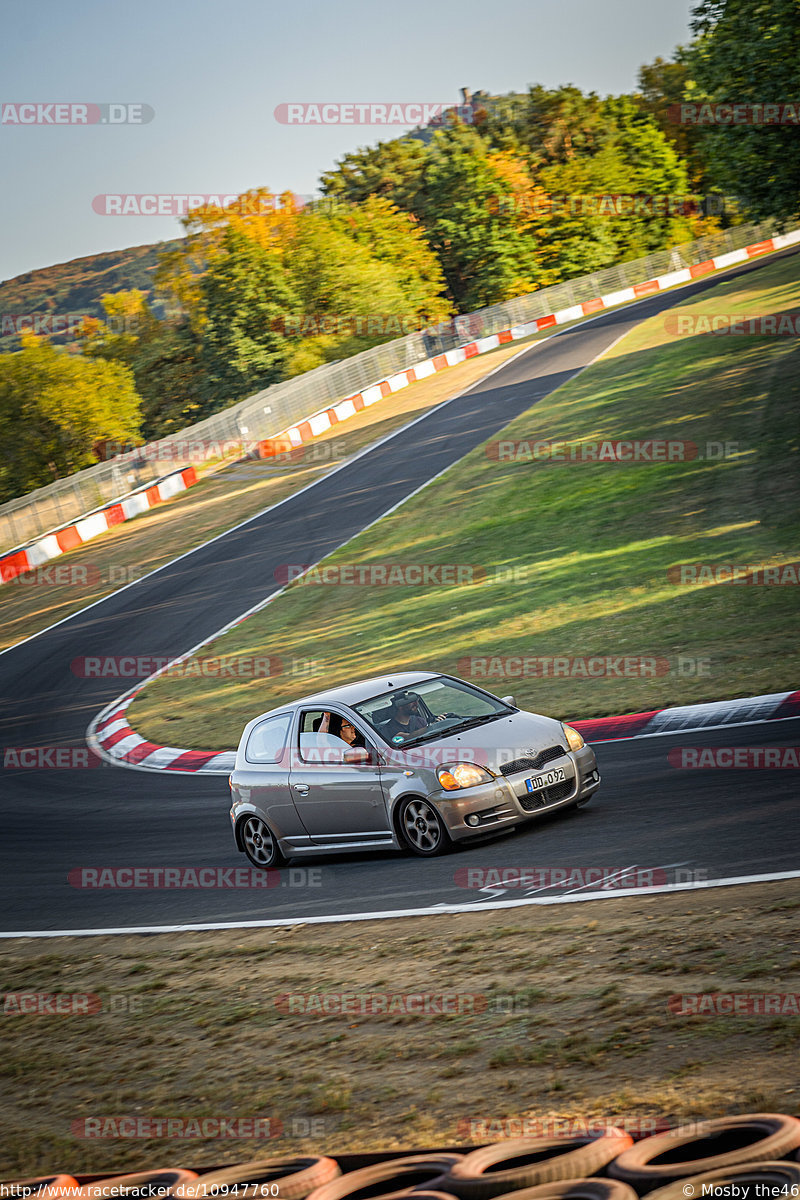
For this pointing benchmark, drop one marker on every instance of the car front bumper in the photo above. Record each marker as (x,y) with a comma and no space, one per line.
(506,802)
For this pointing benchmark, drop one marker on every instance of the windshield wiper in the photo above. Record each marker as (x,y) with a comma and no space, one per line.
(472,722)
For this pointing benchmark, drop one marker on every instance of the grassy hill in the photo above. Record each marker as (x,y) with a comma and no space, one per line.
(75,287)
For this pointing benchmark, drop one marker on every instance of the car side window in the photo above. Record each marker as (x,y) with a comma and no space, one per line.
(266,741)
(318,742)
(325,736)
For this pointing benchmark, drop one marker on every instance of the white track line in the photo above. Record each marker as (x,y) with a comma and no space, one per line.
(433,911)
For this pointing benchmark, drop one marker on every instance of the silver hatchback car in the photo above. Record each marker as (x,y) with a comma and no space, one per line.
(409,761)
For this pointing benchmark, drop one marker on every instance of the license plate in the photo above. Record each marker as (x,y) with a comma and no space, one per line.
(539,782)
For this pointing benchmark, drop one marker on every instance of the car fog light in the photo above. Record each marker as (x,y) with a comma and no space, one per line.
(473,819)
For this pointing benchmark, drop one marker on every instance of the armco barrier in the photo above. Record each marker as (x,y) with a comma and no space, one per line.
(315,422)
(70,536)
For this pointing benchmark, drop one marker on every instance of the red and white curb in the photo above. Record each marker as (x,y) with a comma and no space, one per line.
(319,422)
(117,742)
(59,541)
(113,738)
(685,718)
(54,544)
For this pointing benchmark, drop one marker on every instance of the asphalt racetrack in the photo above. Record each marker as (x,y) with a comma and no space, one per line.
(699,824)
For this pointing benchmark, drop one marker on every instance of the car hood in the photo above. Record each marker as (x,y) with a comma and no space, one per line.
(520,735)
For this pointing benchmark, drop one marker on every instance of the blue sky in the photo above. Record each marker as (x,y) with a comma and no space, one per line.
(214,73)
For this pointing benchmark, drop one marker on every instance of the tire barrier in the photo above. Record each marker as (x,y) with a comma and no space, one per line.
(528,1161)
(414,1194)
(781,1175)
(44,1187)
(709,1157)
(710,1146)
(576,1189)
(425,1172)
(288,1178)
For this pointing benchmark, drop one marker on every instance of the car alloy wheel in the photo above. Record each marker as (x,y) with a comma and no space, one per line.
(422,827)
(260,844)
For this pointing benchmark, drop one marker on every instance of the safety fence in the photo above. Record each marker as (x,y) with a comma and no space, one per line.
(227,434)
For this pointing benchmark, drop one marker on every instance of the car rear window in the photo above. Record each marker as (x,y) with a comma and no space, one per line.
(267,740)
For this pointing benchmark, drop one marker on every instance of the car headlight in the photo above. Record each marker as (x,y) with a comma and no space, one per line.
(574,739)
(462,775)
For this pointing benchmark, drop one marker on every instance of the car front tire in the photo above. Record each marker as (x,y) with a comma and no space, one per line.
(421,828)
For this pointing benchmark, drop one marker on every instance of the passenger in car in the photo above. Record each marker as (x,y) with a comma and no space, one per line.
(342,728)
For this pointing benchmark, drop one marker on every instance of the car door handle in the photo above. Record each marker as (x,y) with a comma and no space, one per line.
(302,788)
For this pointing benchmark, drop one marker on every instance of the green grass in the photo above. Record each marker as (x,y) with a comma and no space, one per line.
(587,545)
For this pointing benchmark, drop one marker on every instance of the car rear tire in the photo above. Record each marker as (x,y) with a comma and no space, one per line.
(259,843)
(421,828)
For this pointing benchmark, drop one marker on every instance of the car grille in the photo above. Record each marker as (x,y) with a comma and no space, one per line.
(532,764)
(533,800)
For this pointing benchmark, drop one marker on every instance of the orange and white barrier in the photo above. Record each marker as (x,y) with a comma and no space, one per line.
(60,540)
(319,422)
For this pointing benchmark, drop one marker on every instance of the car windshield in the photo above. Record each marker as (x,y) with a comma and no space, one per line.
(433,708)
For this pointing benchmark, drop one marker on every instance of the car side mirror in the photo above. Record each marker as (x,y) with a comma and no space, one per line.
(508,700)
(359,756)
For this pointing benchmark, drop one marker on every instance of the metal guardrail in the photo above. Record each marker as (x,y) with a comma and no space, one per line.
(283,404)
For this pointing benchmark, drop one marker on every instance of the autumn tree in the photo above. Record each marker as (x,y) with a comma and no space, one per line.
(245,295)
(163,353)
(54,408)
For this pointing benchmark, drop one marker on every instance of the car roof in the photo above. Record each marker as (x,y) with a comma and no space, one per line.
(365,689)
